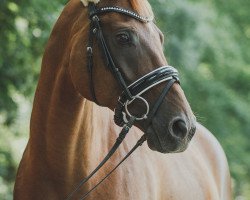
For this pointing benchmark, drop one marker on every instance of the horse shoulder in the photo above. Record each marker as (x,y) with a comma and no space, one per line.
(215,159)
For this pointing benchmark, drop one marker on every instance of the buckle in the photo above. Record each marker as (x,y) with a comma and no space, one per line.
(95,18)
(89,51)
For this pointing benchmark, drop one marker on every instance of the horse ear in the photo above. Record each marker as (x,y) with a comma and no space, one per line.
(86,2)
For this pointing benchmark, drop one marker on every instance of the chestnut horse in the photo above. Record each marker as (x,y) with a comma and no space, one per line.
(70,134)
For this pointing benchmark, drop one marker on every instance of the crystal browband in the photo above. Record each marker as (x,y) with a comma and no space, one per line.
(122,11)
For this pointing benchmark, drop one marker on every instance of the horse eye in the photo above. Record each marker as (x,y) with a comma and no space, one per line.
(123,38)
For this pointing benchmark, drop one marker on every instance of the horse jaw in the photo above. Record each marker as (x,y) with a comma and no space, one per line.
(86,2)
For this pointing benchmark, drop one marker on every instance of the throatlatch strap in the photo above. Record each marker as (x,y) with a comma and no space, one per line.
(90,63)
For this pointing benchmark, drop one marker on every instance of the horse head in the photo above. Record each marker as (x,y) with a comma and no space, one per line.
(116,45)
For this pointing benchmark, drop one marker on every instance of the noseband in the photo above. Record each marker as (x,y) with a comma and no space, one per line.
(130,93)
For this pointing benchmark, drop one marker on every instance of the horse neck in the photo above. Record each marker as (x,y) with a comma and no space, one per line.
(65,127)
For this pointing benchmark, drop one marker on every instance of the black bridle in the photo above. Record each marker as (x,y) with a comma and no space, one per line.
(130,93)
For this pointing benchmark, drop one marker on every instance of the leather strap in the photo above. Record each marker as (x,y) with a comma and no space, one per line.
(137,87)
(120,10)
(138,144)
(95,30)
(118,142)
(90,63)
(162,74)
(142,139)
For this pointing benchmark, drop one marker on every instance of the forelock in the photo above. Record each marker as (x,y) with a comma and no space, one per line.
(86,2)
(142,7)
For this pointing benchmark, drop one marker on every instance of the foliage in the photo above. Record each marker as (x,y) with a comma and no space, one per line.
(208,40)
(25,26)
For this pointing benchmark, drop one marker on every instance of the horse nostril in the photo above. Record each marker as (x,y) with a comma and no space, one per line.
(179,129)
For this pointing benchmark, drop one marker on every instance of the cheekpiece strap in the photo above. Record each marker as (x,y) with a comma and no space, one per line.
(97,31)
(92,9)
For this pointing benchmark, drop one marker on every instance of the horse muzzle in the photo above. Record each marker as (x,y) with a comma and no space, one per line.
(173,137)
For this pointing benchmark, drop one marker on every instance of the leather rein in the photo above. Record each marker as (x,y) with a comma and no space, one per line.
(130,93)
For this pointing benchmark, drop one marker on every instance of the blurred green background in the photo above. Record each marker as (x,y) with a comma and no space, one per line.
(209,41)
